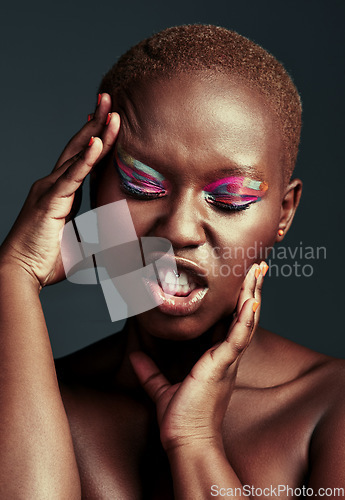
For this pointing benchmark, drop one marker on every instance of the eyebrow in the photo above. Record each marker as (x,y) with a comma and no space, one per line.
(249,171)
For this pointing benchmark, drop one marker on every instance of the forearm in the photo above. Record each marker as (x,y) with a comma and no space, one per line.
(37,457)
(199,472)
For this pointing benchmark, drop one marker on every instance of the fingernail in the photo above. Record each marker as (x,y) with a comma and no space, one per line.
(89,118)
(257,272)
(108,119)
(99,99)
(265,268)
(91,141)
(255,306)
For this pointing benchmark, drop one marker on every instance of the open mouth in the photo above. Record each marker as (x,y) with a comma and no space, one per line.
(179,286)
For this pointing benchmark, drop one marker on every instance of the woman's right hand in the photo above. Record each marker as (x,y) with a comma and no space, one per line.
(34,241)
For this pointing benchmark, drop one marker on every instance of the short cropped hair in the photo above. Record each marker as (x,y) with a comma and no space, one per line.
(198,47)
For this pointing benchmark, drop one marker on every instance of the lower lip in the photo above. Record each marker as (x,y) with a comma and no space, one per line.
(177,306)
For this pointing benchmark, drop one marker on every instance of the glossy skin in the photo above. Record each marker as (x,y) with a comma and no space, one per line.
(256,410)
(277,380)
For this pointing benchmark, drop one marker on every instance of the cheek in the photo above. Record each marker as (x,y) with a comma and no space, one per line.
(144,216)
(241,240)
(247,235)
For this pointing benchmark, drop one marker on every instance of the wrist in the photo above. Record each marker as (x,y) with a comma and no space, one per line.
(194,447)
(14,271)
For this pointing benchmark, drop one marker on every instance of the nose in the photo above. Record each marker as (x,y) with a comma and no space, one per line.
(182,223)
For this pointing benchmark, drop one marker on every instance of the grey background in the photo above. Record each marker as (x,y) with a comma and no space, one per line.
(53,56)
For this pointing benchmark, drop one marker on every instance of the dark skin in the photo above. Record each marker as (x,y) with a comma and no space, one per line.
(176,404)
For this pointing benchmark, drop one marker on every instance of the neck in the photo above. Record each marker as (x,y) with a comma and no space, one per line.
(174,358)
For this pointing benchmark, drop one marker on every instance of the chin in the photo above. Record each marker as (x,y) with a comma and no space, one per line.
(181,328)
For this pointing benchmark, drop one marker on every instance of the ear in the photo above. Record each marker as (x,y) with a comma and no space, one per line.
(289,206)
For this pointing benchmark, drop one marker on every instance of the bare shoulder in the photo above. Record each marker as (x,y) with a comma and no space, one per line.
(303,387)
(290,402)
(279,361)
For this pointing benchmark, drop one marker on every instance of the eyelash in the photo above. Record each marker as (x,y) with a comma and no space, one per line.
(137,193)
(226,207)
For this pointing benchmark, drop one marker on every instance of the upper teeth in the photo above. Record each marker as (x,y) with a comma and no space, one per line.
(173,284)
(172,279)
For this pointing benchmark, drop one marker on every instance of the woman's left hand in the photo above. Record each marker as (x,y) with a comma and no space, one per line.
(191,413)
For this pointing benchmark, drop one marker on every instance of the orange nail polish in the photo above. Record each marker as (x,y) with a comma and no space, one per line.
(265,269)
(257,272)
(108,119)
(89,118)
(99,99)
(255,306)
(91,141)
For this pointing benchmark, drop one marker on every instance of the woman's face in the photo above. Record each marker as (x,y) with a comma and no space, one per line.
(213,188)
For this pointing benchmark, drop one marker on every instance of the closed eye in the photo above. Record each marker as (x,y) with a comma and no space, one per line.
(142,192)
(139,180)
(234,194)
(229,204)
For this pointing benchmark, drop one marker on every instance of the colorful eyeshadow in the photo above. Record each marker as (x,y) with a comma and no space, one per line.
(232,193)
(235,192)
(138,177)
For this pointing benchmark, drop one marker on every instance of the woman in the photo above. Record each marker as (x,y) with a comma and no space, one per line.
(197,129)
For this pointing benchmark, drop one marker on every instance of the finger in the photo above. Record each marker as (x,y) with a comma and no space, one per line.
(93,127)
(228,352)
(57,172)
(110,133)
(258,288)
(149,375)
(108,138)
(70,180)
(248,286)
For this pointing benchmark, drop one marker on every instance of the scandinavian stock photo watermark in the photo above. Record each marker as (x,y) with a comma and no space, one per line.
(283,261)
